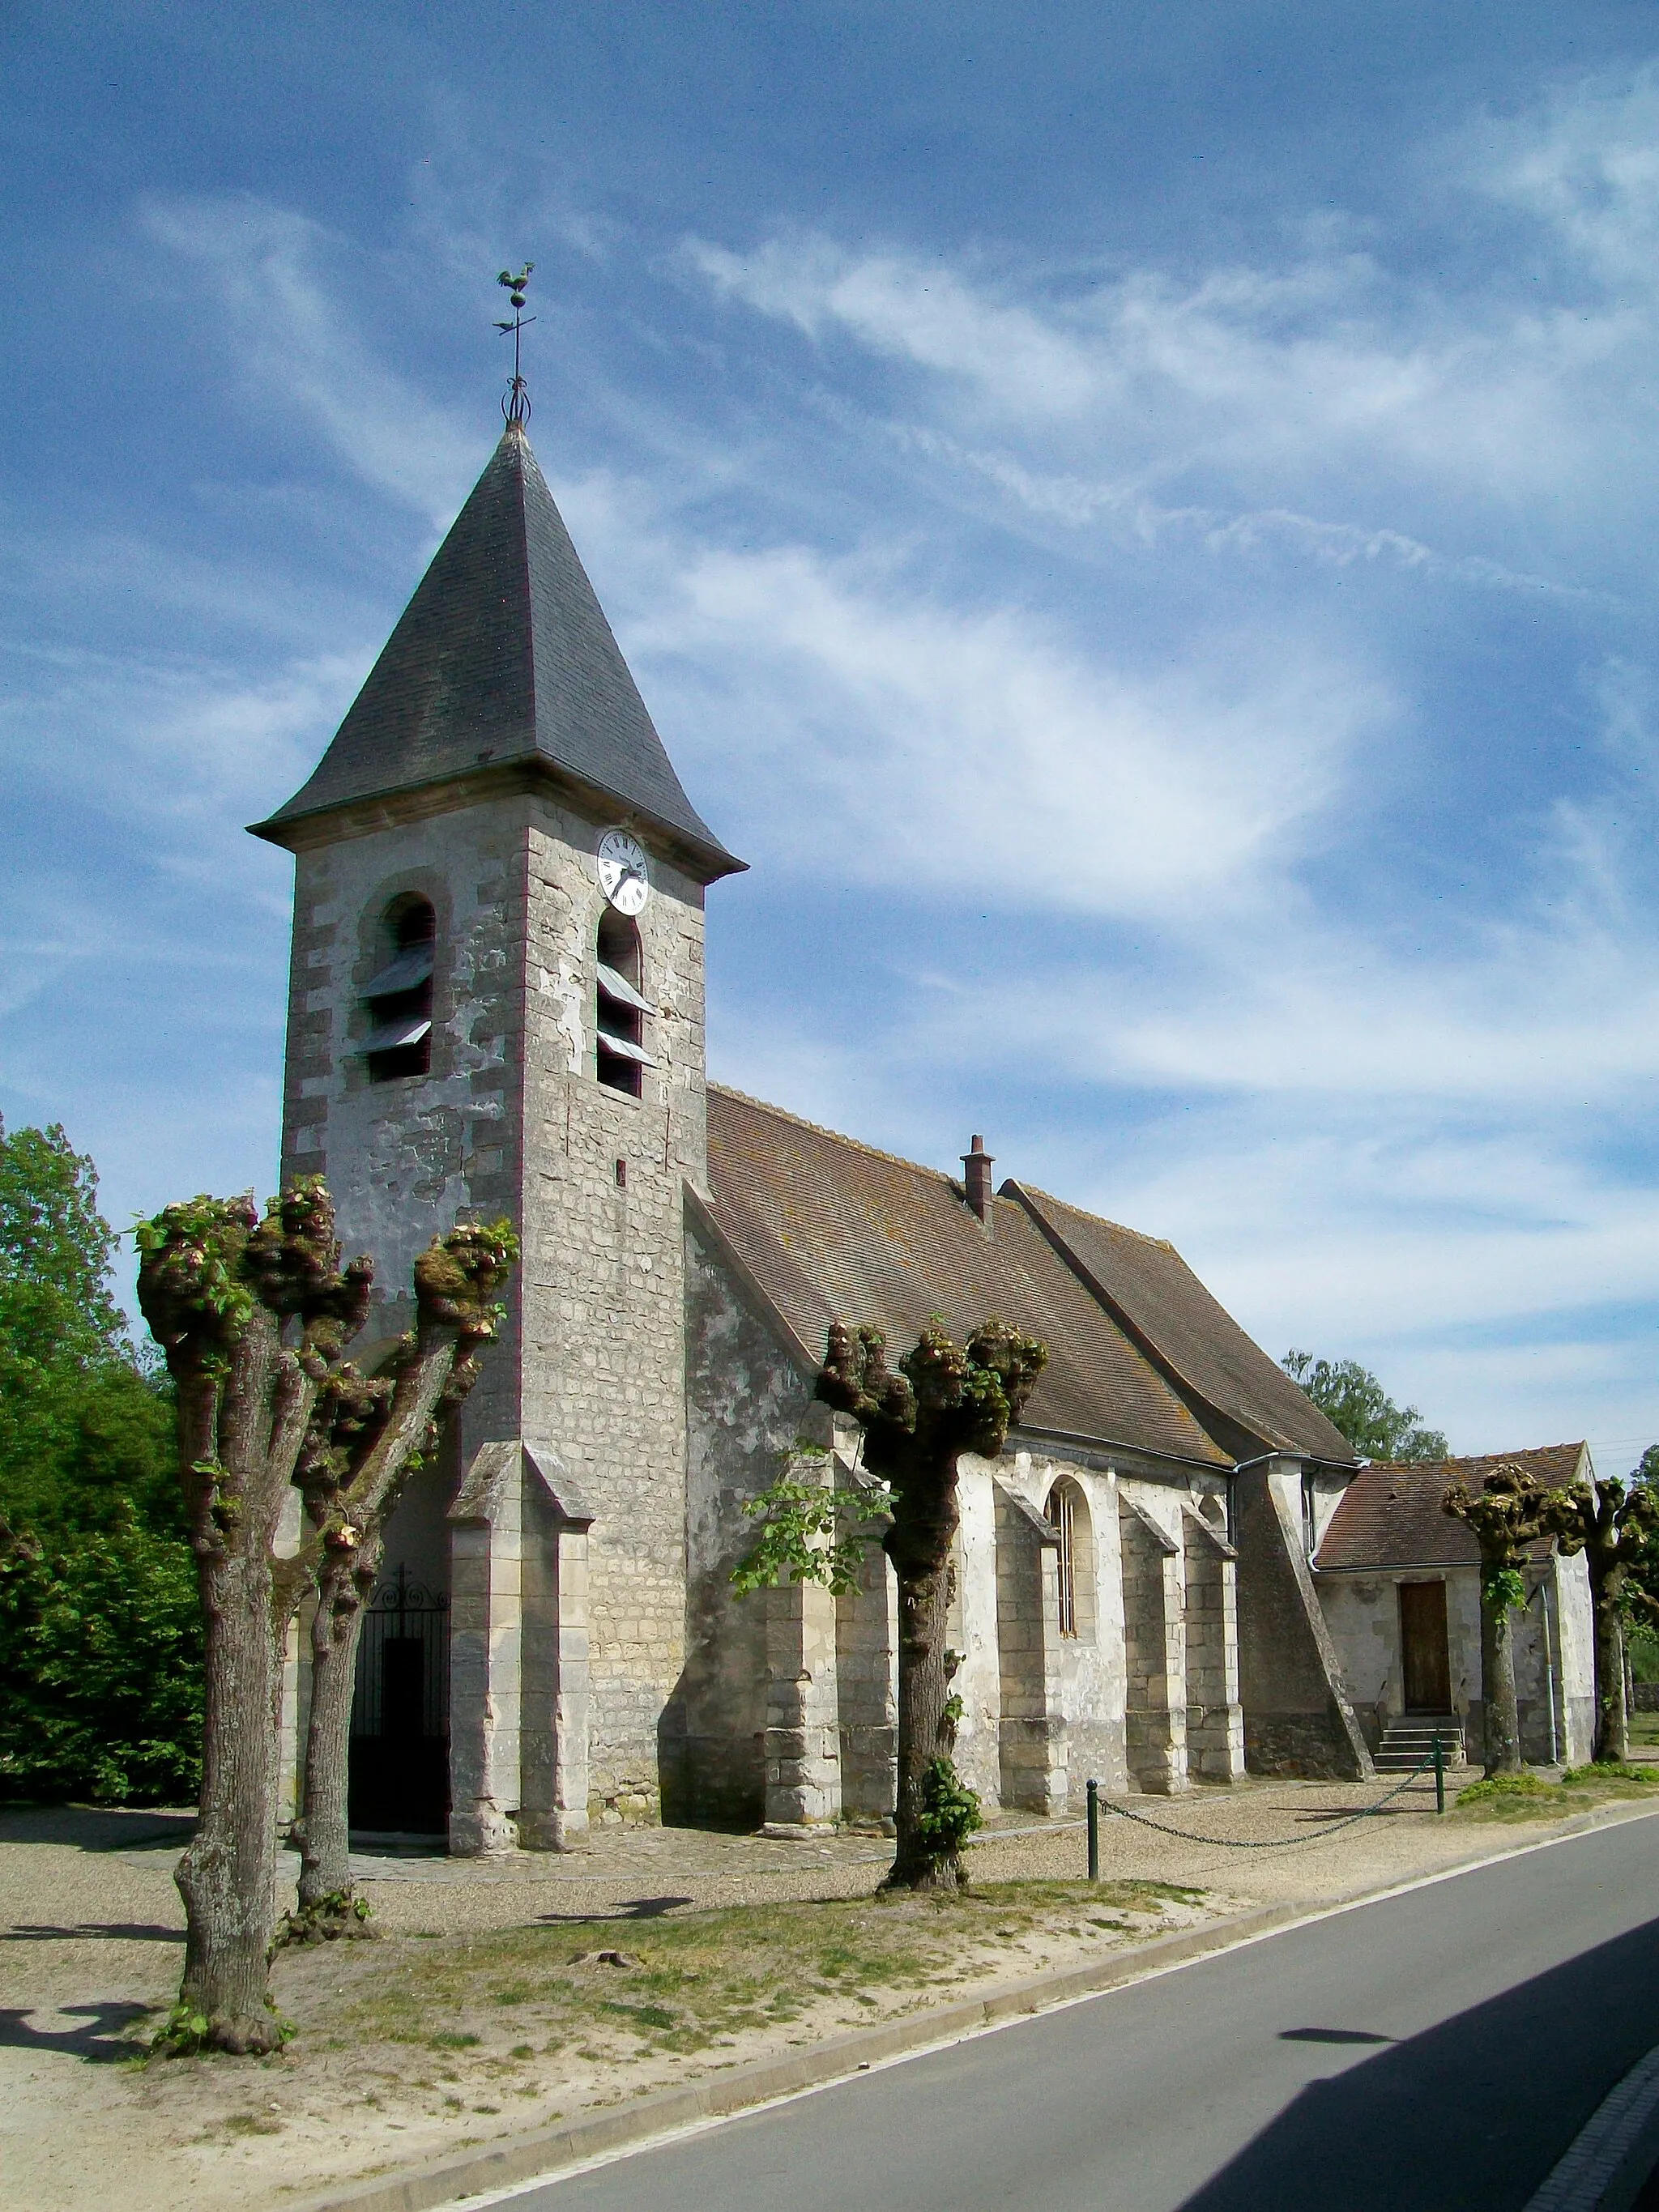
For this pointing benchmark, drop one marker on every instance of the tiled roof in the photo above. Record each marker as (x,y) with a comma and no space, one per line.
(832,1231)
(503,658)
(1150,1288)
(1390,1515)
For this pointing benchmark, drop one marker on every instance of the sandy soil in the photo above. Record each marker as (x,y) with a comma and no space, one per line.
(438,2034)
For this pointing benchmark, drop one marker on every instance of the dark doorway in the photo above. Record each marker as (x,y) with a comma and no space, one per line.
(399,1781)
(1426,1662)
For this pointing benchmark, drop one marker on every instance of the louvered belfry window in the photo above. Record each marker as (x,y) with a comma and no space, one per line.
(399,996)
(621,1007)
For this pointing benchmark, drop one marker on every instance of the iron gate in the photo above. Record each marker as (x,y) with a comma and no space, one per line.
(399,1781)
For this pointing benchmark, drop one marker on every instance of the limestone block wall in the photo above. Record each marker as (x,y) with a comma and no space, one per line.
(1297,1716)
(748,1403)
(1575,1657)
(486,1635)
(1089,1666)
(1033,1743)
(404,1160)
(1154,1627)
(1363,1611)
(1215,1719)
(867,1669)
(1554,1664)
(604,1295)
(802,1746)
(511,1120)
(973,1631)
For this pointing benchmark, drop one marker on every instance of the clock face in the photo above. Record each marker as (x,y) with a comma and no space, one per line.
(624,874)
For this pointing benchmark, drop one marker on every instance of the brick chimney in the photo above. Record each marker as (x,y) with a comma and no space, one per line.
(976,1179)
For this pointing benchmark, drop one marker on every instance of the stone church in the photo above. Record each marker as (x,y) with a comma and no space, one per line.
(497,1008)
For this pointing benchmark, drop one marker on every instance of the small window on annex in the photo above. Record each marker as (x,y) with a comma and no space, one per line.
(399,995)
(621,1006)
(1067,1511)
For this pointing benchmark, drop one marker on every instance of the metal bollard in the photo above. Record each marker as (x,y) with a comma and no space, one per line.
(1439,1774)
(1093,1797)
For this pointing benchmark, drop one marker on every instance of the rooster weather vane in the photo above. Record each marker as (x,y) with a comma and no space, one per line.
(516,404)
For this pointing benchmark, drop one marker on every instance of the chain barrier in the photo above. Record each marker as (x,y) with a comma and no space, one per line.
(1276,1843)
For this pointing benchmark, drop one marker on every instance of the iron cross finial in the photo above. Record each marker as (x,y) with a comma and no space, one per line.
(516,404)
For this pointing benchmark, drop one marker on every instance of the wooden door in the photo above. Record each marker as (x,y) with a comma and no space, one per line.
(1425,1659)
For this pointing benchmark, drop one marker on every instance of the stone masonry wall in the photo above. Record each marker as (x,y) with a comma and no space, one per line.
(511,1120)
(748,1400)
(1215,1719)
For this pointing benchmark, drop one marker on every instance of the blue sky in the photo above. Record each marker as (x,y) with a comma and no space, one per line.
(1139,522)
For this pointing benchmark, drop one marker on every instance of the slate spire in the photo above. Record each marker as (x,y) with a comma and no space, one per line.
(503,663)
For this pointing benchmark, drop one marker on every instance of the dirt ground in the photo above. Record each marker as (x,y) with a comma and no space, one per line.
(485,2009)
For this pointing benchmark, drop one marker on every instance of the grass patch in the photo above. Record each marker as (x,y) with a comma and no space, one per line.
(1528,1797)
(701,1979)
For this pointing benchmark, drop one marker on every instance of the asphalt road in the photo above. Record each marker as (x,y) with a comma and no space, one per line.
(1439,2048)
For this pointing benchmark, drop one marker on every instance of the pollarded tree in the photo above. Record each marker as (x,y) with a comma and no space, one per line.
(253,1316)
(367,1440)
(1615,1528)
(1509,1512)
(946,1400)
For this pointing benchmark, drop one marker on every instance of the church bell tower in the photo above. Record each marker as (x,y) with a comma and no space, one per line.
(496,1008)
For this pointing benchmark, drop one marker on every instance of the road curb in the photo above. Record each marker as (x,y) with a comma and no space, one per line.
(544,2153)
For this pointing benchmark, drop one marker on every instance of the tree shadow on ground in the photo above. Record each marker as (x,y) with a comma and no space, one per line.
(112,1931)
(1474,2112)
(1331,2035)
(101,2042)
(637,1908)
(99,1827)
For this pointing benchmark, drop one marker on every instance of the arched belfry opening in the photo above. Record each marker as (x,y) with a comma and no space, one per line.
(399,995)
(621,1005)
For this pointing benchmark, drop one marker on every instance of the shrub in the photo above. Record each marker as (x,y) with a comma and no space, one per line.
(101,1667)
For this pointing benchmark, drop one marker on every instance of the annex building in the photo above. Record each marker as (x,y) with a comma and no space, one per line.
(497,1008)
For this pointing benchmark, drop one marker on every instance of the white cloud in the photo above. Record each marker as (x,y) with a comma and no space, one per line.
(1329,374)
(1585,162)
(923,312)
(972,752)
(293,337)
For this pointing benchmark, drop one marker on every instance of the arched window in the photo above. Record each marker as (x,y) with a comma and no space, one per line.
(1063,1516)
(399,997)
(621,1006)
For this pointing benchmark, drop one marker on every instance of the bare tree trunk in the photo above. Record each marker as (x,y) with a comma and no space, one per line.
(228,1875)
(1612,1712)
(1502,1730)
(919,1544)
(343,1588)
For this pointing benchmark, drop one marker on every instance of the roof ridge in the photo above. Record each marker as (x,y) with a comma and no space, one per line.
(1469,1459)
(1158,1243)
(838,1136)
